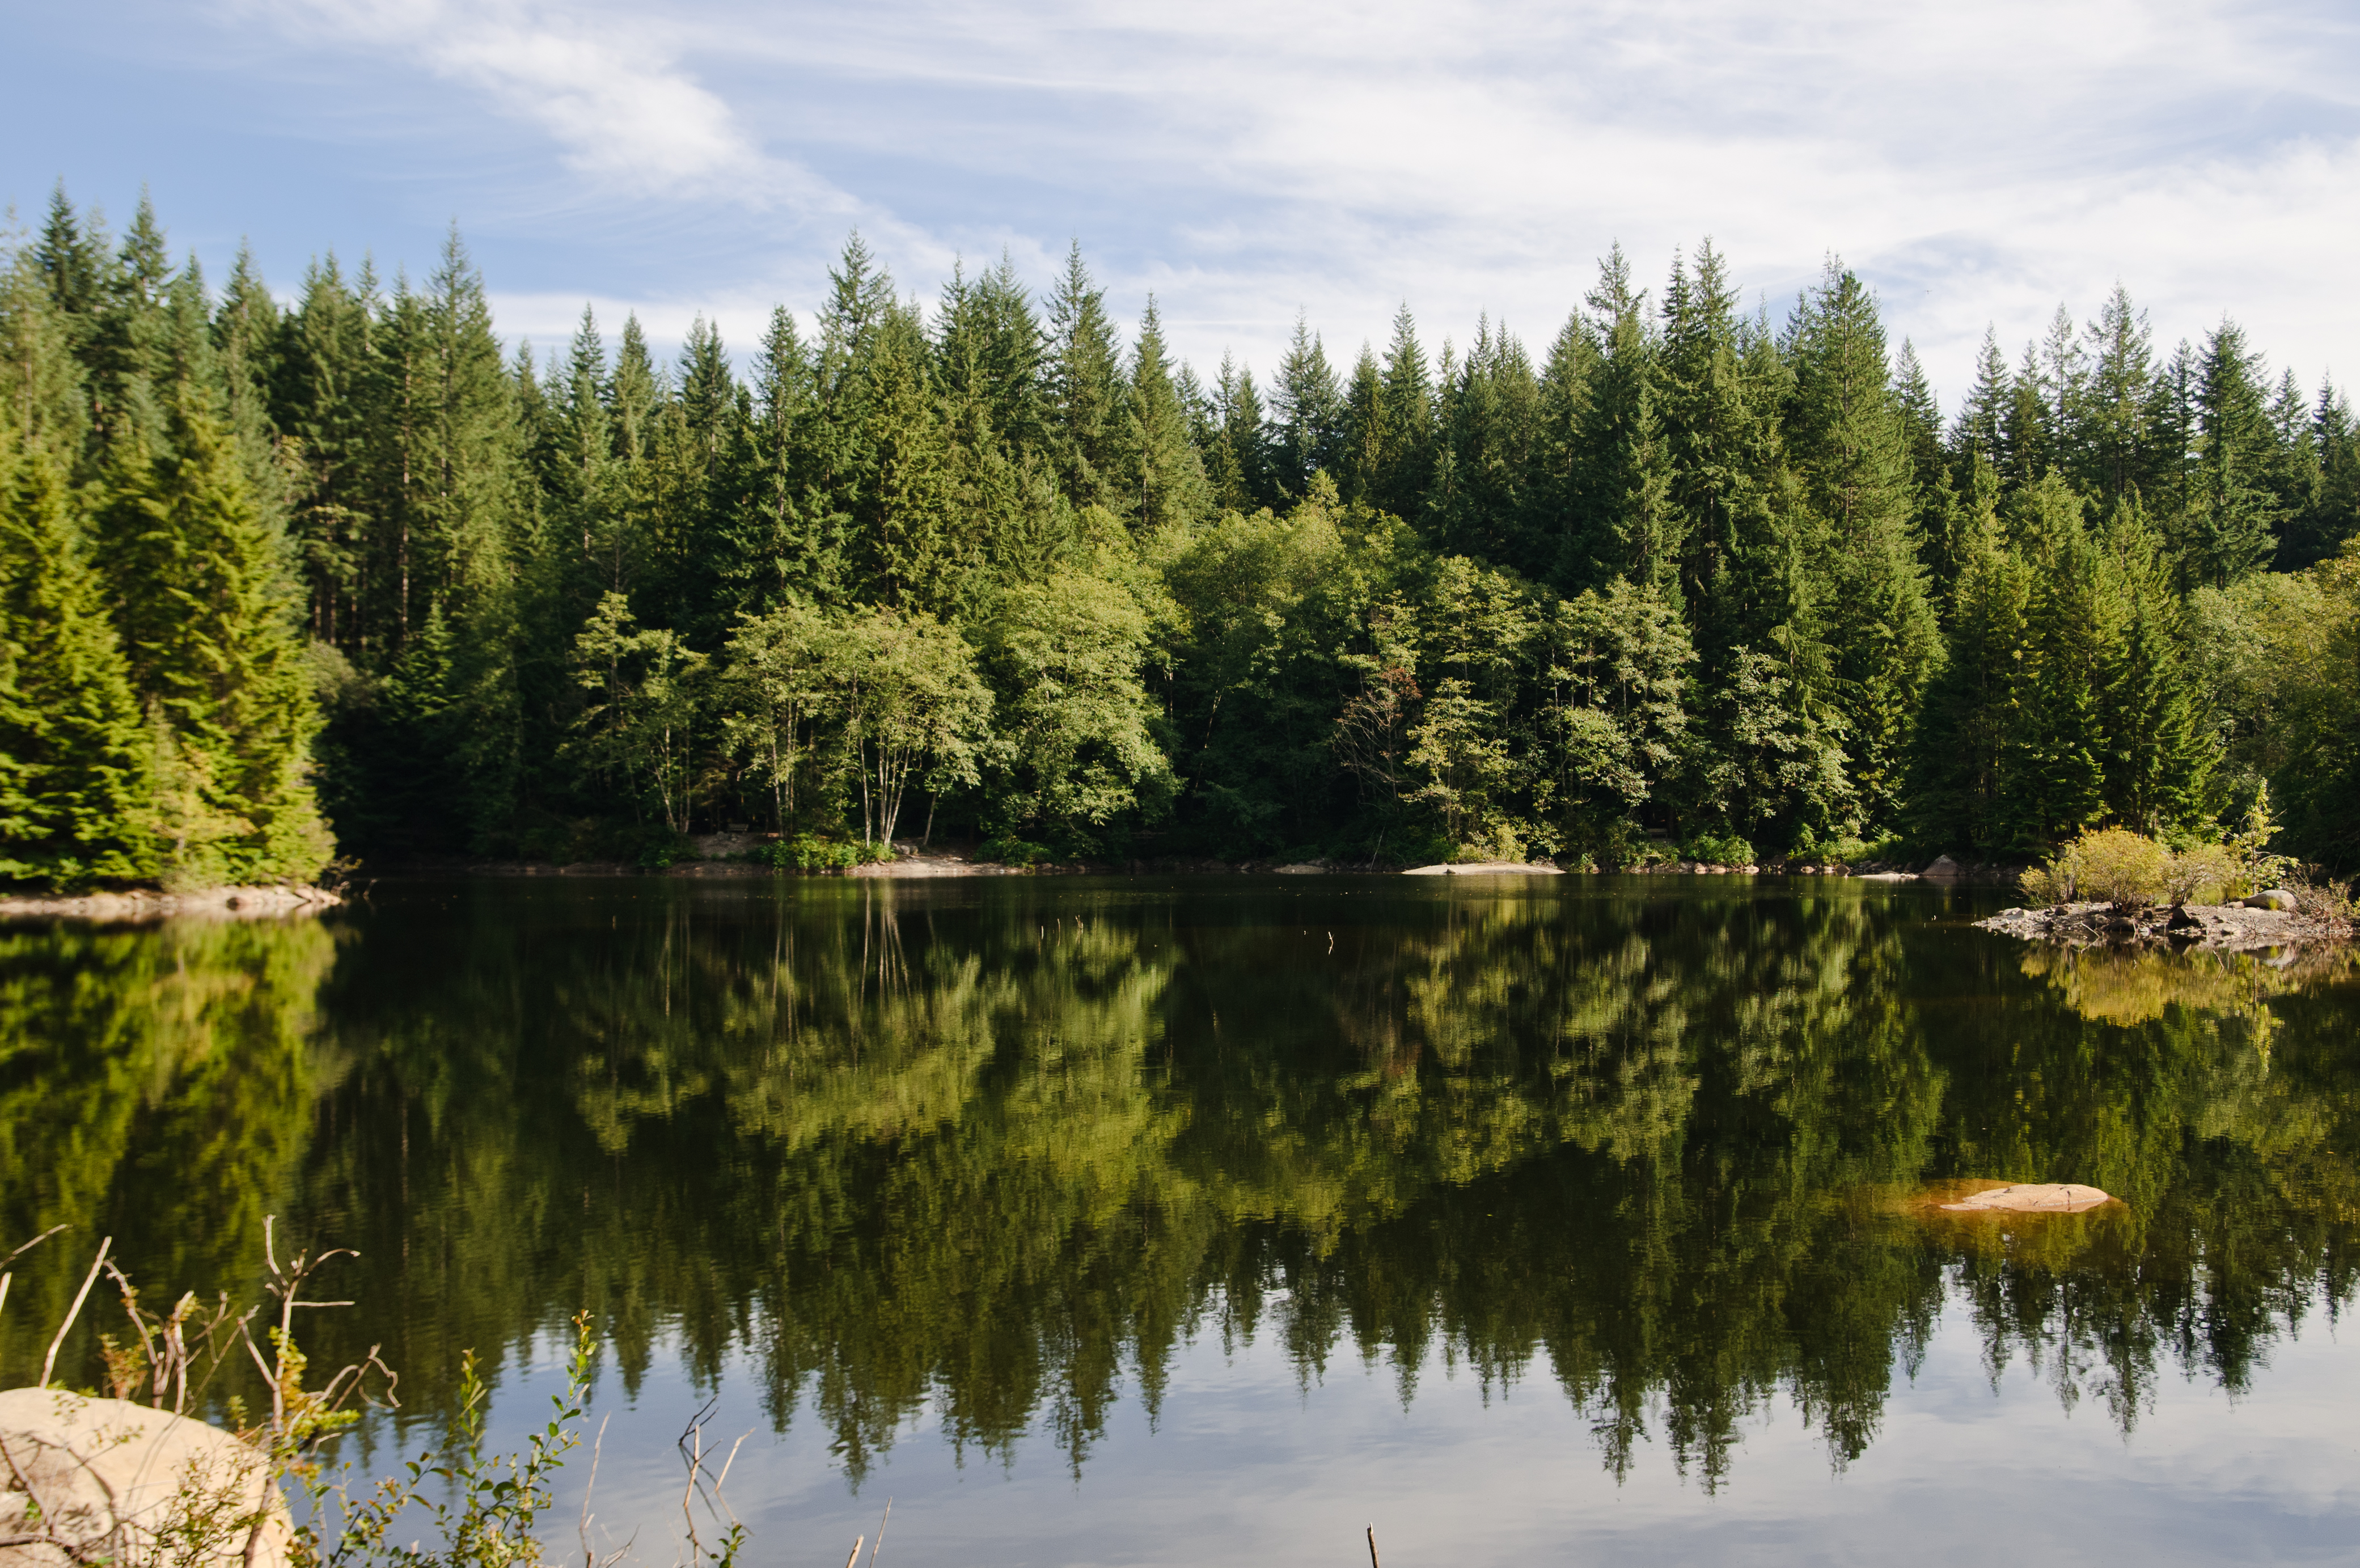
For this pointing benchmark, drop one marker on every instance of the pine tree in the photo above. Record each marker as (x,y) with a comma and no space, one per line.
(73,776)
(2056,782)
(1172,487)
(1238,465)
(2231,525)
(1959,783)
(1404,441)
(1720,422)
(2333,513)
(208,624)
(1625,524)
(324,402)
(1360,453)
(2113,445)
(1976,431)
(1852,451)
(632,394)
(1941,519)
(1091,437)
(1307,410)
(2158,751)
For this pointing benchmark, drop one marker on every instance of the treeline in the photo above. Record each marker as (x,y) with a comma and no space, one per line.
(986,567)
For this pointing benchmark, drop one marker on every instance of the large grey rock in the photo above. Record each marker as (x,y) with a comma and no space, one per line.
(1944,869)
(133,1485)
(2275,898)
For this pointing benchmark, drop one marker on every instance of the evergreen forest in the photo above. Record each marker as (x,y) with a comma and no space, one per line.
(340,571)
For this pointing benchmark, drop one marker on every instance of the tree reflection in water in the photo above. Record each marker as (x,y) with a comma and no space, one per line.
(997,1149)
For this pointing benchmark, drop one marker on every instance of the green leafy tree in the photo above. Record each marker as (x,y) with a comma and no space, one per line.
(1078,747)
(640,730)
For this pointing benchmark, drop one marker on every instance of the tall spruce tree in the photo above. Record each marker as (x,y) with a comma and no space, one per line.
(1307,414)
(1852,450)
(2230,527)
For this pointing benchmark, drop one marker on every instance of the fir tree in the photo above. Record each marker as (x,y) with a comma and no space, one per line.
(1961,757)
(73,774)
(1626,524)
(1308,411)
(2113,447)
(1172,487)
(1852,450)
(1091,436)
(2230,526)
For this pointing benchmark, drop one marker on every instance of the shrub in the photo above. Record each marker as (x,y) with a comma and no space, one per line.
(1010,851)
(2202,874)
(1728,850)
(2113,865)
(810,852)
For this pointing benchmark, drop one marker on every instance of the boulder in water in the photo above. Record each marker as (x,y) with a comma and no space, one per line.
(2030,1198)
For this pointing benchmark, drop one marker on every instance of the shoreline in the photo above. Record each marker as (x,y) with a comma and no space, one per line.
(2212,928)
(150,904)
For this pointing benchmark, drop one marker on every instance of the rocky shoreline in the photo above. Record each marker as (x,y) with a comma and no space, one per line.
(2220,929)
(146,903)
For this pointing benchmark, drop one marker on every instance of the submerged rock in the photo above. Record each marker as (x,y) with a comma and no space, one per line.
(2030,1198)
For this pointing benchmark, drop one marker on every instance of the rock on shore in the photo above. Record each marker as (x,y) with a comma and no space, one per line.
(114,1480)
(2210,927)
(141,904)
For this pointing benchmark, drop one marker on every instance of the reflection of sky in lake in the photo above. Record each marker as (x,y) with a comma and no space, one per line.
(1244,1465)
(911,1166)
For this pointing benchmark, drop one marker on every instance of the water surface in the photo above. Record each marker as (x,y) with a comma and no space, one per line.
(1140,1221)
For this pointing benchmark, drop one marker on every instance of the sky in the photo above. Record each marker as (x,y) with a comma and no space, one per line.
(1242,161)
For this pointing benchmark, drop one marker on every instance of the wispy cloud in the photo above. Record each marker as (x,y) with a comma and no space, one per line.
(1243,157)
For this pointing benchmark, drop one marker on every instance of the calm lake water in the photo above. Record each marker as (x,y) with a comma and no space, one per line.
(1177,1221)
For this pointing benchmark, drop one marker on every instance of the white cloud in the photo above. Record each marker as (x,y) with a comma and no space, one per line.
(1243,157)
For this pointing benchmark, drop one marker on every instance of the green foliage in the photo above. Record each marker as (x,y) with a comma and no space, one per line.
(1013,852)
(986,562)
(809,852)
(1718,851)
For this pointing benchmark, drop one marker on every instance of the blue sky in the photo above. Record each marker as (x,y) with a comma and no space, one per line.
(1241,158)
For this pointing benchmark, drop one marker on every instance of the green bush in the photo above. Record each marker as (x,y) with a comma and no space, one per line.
(2113,865)
(1718,850)
(810,852)
(1010,851)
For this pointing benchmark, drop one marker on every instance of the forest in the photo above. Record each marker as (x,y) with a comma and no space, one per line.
(342,574)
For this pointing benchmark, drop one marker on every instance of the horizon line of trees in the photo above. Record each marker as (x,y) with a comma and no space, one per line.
(350,560)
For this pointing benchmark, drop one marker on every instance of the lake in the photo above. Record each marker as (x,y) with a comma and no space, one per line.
(1148,1221)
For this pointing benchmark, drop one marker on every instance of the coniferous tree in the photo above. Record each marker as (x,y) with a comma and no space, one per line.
(1091,435)
(1307,414)
(2056,773)
(1403,436)
(2230,527)
(1361,451)
(1981,413)
(1961,781)
(74,786)
(209,627)
(1172,487)
(2114,444)
(1480,501)
(1238,465)
(322,402)
(1852,449)
(1940,520)
(2158,752)
(1626,524)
